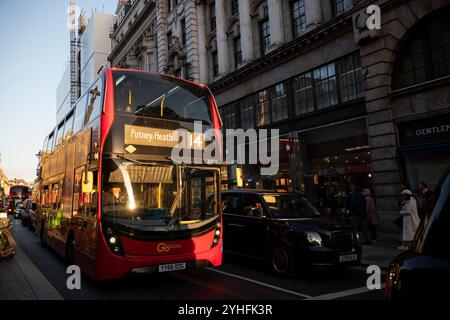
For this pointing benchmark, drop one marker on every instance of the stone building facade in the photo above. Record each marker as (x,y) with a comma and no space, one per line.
(353,106)
(4,188)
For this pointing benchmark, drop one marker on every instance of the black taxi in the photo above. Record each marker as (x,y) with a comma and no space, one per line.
(285,231)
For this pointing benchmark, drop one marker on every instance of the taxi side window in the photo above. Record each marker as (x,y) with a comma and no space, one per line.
(230,204)
(251,205)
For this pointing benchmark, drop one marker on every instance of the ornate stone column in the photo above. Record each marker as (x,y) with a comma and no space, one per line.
(313,10)
(245,22)
(221,37)
(202,52)
(276,22)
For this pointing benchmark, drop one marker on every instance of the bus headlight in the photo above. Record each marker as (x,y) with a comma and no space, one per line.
(113,241)
(314,238)
(217,234)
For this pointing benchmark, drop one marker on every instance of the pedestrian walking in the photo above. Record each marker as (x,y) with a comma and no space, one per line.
(356,205)
(410,218)
(372,214)
(423,199)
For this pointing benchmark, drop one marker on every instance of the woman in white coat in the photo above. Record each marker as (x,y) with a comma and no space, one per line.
(410,218)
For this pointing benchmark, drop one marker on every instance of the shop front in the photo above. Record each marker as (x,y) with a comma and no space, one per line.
(425,149)
(282,180)
(332,158)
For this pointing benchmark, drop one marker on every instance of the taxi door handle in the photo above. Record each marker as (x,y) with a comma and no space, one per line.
(236,225)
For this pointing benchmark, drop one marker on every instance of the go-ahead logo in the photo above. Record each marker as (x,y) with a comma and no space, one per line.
(162,247)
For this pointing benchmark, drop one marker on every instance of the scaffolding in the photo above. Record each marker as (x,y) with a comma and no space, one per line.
(73,54)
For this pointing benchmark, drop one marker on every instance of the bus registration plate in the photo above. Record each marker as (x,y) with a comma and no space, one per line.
(172,267)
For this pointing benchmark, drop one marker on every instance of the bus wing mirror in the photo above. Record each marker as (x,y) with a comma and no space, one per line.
(87,182)
(239,177)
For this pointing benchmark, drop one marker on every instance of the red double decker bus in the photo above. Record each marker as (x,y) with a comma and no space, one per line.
(112,200)
(17,193)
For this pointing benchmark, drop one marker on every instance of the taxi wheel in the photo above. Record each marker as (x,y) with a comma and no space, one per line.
(282,262)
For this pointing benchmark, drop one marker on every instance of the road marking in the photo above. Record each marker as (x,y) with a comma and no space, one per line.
(364,268)
(262,284)
(344,293)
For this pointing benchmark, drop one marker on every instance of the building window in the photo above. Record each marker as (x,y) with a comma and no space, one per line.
(342,6)
(298,17)
(234,7)
(317,89)
(304,96)
(350,78)
(263,108)
(237,51)
(228,114)
(426,55)
(212,15)
(279,103)
(183,32)
(246,107)
(151,62)
(325,86)
(169,40)
(215,61)
(264,31)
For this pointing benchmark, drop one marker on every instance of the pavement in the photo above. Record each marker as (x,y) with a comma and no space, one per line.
(20,279)
(382,251)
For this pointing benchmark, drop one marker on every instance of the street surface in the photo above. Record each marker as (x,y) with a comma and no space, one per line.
(235,279)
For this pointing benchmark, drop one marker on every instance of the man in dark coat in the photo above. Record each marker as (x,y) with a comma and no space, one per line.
(356,206)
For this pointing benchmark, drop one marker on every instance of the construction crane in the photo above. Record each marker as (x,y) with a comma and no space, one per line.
(73,54)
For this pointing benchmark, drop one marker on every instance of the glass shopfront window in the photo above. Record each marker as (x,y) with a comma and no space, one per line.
(281,181)
(330,160)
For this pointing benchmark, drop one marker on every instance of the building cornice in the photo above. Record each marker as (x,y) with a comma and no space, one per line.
(134,27)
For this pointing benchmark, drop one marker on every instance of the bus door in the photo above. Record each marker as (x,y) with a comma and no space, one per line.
(85,219)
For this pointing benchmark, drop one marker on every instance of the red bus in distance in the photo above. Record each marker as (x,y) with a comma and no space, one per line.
(17,193)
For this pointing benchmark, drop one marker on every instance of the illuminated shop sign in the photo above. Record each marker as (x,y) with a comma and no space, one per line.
(425,131)
(357,148)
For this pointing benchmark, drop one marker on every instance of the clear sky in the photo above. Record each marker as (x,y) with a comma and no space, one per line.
(34,50)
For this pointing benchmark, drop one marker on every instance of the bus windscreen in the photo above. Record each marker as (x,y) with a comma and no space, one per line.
(155,96)
(156,197)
